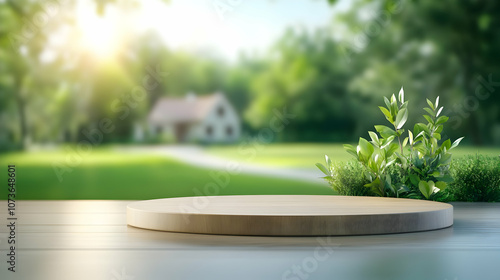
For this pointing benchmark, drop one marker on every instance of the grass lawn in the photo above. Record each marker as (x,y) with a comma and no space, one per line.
(106,174)
(308,154)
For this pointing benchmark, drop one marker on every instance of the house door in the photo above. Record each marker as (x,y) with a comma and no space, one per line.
(181,132)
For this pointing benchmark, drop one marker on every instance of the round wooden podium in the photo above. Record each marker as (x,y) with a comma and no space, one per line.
(289,215)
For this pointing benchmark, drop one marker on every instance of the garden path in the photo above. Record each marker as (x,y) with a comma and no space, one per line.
(195,155)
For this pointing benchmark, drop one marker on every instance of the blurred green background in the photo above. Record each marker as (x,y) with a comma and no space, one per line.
(67,65)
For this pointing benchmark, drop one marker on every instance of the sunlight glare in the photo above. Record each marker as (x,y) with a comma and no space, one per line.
(99,34)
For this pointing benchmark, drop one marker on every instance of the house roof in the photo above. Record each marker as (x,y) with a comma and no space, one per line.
(184,109)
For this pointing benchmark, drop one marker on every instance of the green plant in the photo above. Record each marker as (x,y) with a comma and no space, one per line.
(423,162)
(346,178)
(476,178)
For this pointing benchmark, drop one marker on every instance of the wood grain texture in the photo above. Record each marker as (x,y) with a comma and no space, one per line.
(289,215)
(75,249)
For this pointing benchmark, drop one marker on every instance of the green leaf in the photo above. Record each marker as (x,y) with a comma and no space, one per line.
(385,131)
(403,189)
(375,186)
(391,149)
(388,186)
(439,111)
(387,114)
(374,138)
(416,129)
(401,118)
(422,127)
(445,159)
(394,105)
(387,103)
(455,144)
(404,105)
(419,136)
(353,153)
(432,185)
(445,178)
(366,148)
(414,179)
(374,183)
(436,173)
(434,144)
(421,148)
(403,160)
(429,119)
(401,95)
(437,136)
(437,102)
(390,163)
(350,149)
(425,189)
(387,142)
(430,104)
(323,169)
(377,191)
(410,137)
(441,120)
(405,142)
(368,175)
(373,165)
(441,185)
(429,111)
(328,161)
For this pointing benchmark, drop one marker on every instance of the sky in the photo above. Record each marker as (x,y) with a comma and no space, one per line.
(225,28)
(228,27)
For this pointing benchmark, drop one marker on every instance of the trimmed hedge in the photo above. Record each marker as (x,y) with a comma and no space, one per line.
(476,179)
(348,179)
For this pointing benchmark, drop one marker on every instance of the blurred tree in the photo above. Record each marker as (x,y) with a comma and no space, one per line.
(306,78)
(20,47)
(444,48)
(468,32)
(329,78)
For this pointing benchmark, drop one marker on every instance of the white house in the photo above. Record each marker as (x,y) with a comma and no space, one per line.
(208,118)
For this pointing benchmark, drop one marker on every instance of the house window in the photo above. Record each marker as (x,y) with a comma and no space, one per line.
(209,130)
(220,112)
(229,131)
